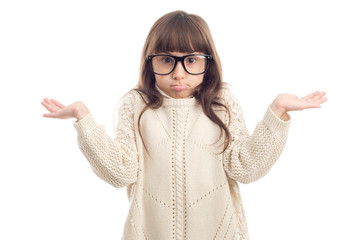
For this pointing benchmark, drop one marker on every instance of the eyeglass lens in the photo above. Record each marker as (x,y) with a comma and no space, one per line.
(194,64)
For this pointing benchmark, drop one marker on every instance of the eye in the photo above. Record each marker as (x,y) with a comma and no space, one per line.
(167,60)
(191,59)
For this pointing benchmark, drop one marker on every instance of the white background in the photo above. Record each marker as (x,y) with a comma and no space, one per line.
(90,51)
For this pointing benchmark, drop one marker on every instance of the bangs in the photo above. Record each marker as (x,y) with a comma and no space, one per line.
(180,34)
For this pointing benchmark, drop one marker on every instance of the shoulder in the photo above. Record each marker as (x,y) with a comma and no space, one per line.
(126,108)
(226,97)
(132,98)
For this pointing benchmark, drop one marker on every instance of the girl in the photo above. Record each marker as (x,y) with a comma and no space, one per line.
(180,143)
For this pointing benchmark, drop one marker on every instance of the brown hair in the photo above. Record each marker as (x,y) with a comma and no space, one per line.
(181,32)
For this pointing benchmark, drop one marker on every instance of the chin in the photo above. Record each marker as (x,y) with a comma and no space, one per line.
(180,95)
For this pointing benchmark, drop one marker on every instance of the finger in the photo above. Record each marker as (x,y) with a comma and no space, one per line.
(49,106)
(311,95)
(49,103)
(319,96)
(49,115)
(322,100)
(318,102)
(57,103)
(308,105)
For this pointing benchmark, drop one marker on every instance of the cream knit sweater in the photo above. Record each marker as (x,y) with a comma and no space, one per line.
(182,187)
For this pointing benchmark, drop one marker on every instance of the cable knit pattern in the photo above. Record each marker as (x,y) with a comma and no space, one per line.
(249,158)
(113,160)
(179,136)
(183,187)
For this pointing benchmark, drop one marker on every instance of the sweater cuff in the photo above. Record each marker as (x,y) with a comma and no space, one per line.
(86,124)
(275,123)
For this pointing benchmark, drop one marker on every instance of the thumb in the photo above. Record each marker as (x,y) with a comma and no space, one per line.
(49,115)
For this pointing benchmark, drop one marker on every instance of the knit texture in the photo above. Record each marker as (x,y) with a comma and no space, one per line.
(180,186)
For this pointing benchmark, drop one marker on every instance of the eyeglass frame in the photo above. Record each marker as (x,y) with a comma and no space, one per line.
(182,60)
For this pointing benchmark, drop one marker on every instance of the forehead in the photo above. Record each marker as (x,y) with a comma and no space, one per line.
(180,40)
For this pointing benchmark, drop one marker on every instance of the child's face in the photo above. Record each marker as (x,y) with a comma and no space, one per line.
(179,83)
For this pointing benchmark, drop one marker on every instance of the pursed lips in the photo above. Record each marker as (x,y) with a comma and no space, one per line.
(179,87)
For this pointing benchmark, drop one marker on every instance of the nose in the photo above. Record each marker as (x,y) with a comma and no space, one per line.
(179,72)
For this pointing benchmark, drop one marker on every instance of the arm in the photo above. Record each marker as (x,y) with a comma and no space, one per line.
(113,160)
(250,157)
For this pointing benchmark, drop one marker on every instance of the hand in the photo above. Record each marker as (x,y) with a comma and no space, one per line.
(288,102)
(58,110)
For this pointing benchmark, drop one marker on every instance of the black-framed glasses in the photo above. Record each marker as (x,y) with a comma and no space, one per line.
(164,64)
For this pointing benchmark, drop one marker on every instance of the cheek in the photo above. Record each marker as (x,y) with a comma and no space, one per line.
(159,79)
(198,80)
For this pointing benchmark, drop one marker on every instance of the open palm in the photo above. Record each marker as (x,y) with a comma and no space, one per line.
(58,110)
(293,103)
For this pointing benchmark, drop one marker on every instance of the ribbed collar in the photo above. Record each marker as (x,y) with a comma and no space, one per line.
(161,91)
(178,102)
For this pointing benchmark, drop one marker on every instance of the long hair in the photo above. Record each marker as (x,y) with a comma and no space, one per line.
(182,32)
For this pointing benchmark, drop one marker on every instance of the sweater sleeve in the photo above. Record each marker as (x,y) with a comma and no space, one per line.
(113,160)
(250,157)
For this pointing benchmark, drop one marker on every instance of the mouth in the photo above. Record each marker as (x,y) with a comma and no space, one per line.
(179,87)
